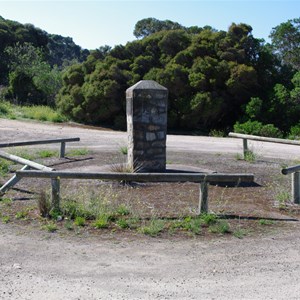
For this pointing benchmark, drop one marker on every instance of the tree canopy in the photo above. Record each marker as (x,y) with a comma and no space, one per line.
(217,80)
(211,75)
(286,42)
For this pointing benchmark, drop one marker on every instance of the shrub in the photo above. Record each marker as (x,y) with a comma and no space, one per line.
(249,127)
(257,128)
(4,108)
(294,133)
(270,130)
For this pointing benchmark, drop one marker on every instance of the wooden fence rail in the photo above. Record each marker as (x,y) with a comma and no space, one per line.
(201,178)
(295,182)
(62,142)
(247,137)
(27,165)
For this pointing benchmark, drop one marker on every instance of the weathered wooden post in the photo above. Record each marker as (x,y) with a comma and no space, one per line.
(62,150)
(55,197)
(296,187)
(203,198)
(146,105)
(245,148)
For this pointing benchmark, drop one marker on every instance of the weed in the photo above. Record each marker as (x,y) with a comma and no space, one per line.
(264,222)
(283,197)
(4,167)
(221,227)
(121,168)
(79,221)
(155,227)
(196,226)
(209,219)
(73,209)
(78,152)
(192,224)
(123,210)
(24,153)
(127,168)
(250,156)
(55,214)
(47,153)
(21,214)
(101,222)
(5,219)
(124,150)
(7,201)
(240,233)
(69,225)
(133,223)
(123,223)
(51,227)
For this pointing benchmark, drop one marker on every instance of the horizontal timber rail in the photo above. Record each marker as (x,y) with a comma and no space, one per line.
(295,182)
(62,141)
(24,161)
(247,137)
(290,170)
(27,165)
(142,177)
(201,178)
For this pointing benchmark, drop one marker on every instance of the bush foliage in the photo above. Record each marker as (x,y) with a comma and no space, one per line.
(217,80)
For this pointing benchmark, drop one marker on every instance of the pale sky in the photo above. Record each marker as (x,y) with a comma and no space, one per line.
(96,23)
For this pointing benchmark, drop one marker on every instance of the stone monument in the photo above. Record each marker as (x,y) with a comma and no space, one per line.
(146,106)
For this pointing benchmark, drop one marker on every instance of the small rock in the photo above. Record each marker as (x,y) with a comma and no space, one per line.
(17,266)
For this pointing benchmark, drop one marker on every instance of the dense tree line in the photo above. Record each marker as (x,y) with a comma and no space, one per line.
(217,80)
(31,61)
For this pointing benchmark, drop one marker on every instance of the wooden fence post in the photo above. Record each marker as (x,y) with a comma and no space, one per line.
(62,150)
(245,147)
(296,187)
(55,200)
(203,198)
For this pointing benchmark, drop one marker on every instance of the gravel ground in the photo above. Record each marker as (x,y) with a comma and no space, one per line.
(35,264)
(44,266)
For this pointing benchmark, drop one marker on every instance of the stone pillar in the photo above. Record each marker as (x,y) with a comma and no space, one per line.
(146,105)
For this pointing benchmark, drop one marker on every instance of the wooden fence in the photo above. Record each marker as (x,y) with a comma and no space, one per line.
(295,182)
(62,143)
(203,179)
(28,164)
(247,137)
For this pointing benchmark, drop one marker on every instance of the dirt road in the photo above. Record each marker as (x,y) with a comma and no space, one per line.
(100,140)
(41,265)
(44,266)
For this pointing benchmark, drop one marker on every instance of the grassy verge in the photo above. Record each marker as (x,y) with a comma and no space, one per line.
(38,112)
(104,212)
